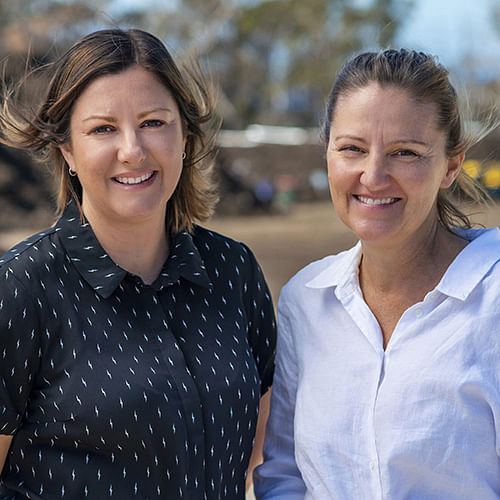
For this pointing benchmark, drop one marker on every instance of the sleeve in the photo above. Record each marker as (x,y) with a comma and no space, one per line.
(261,321)
(19,350)
(279,477)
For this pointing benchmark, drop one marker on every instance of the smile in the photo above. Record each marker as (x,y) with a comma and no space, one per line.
(376,201)
(134,180)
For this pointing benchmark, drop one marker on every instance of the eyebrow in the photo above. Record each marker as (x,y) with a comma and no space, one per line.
(153,110)
(347,136)
(111,119)
(100,117)
(402,140)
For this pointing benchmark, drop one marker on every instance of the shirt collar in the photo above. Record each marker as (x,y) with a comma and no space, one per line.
(341,271)
(461,277)
(104,276)
(472,263)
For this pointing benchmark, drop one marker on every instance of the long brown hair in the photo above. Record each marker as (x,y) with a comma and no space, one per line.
(110,52)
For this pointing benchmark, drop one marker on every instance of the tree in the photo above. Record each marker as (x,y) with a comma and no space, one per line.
(275,59)
(41,25)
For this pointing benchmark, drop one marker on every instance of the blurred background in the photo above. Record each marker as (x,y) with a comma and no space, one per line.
(274,62)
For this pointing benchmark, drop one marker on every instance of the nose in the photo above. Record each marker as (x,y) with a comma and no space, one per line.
(130,149)
(375,174)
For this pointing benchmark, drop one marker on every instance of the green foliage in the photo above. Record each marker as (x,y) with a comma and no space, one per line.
(314,38)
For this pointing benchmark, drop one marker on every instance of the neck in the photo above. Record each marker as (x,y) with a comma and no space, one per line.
(422,260)
(394,279)
(140,249)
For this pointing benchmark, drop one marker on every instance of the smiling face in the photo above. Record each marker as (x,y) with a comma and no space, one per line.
(126,147)
(386,163)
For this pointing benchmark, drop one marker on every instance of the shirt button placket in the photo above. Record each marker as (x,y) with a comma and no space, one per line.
(373,464)
(190,399)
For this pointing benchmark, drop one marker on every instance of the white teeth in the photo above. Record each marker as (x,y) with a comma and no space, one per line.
(134,180)
(376,201)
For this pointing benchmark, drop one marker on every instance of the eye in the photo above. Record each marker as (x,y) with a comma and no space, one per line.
(102,129)
(152,124)
(350,148)
(406,153)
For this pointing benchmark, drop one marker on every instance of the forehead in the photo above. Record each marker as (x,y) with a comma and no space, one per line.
(389,106)
(133,86)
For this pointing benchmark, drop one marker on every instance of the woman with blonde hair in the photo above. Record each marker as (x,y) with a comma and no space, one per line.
(387,379)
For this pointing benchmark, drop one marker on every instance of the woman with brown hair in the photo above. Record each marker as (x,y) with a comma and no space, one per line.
(135,345)
(387,381)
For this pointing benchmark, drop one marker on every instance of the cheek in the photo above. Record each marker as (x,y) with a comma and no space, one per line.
(172,138)
(331,168)
(98,155)
(423,179)
(165,149)
(341,179)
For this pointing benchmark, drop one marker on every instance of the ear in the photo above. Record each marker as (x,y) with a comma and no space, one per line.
(68,155)
(453,169)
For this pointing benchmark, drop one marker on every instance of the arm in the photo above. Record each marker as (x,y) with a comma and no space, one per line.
(20,355)
(4,449)
(279,478)
(256,457)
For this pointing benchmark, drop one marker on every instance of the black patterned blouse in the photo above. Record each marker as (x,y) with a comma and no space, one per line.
(116,389)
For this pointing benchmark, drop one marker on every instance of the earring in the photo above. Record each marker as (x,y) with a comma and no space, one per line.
(183,155)
(71,172)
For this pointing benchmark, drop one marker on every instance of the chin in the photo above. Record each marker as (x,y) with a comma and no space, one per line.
(138,213)
(375,235)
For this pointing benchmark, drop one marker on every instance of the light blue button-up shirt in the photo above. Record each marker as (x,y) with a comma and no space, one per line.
(420,420)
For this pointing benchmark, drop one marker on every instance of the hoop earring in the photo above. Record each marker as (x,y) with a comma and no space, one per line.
(71,172)
(183,155)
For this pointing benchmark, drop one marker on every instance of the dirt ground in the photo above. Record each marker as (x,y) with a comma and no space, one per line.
(283,243)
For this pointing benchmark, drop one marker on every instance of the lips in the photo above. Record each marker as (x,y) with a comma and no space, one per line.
(376,201)
(134,180)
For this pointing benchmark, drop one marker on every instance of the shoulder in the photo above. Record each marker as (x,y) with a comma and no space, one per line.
(320,276)
(30,253)
(26,271)
(331,266)
(475,270)
(312,270)
(296,287)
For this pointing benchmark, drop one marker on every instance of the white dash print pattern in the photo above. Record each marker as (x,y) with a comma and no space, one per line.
(116,389)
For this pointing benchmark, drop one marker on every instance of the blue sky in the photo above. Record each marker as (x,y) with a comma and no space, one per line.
(453,30)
